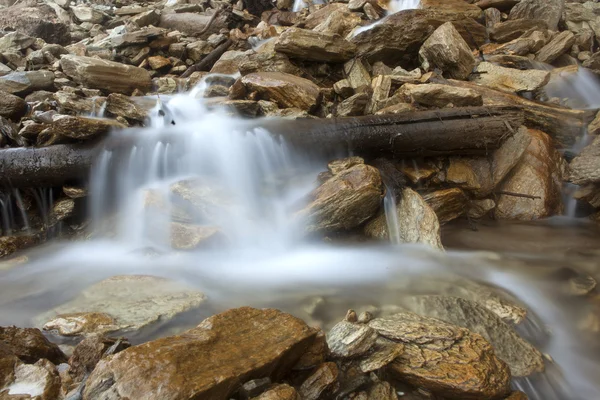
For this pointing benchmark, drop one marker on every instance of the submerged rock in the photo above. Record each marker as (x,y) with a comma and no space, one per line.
(30,345)
(81,323)
(133,301)
(444,359)
(236,346)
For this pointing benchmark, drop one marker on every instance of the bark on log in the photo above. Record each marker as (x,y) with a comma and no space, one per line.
(457,131)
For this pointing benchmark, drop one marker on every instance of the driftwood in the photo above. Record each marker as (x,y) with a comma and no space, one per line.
(455,131)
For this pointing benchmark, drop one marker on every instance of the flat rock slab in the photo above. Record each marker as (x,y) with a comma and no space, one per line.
(286,90)
(133,301)
(210,361)
(509,79)
(316,46)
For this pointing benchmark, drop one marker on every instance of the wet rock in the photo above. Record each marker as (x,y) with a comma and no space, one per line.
(397,109)
(517,396)
(11,106)
(446,49)
(344,201)
(585,168)
(560,44)
(380,87)
(438,95)
(280,392)
(417,222)
(399,37)
(347,340)
(38,381)
(480,208)
(547,10)
(509,79)
(30,345)
(84,323)
(134,301)
(36,20)
(444,359)
(509,30)
(189,237)
(123,106)
(321,384)
(82,128)
(315,355)
(90,351)
(522,358)
(12,244)
(537,175)
(106,75)
(448,204)
(22,83)
(315,46)
(237,345)
(286,90)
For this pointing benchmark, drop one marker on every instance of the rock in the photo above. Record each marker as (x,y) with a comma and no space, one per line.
(15,41)
(150,17)
(321,384)
(11,106)
(358,76)
(381,86)
(444,359)
(189,237)
(12,244)
(122,106)
(547,10)
(417,222)
(316,46)
(398,38)
(397,109)
(538,174)
(22,83)
(480,208)
(344,201)
(339,22)
(446,49)
(82,323)
(286,90)
(438,95)
(74,192)
(315,355)
(159,63)
(254,387)
(87,14)
(509,79)
(82,128)
(354,105)
(452,8)
(193,24)
(30,345)
(106,75)
(134,301)
(493,16)
(38,381)
(90,351)
(343,88)
(522,358)
(560,44)
(509,30)
(381,354)
(237,345)
(348,340)
(37,21)
(585,168)
(517,396)
(280,392)
(448,204)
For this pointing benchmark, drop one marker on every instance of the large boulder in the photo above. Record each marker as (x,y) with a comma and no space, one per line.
(235,346)
(106,75)
(446,49)
(286,90)
(36,20)
(315,46)
(447,360)
(30,345)
(345,200)
(536,180)
(23,83)
(550,11)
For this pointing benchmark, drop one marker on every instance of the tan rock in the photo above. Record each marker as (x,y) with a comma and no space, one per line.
(348,340)
(452,7)
(509,79)
(12,244)
(357,75)
(81,323)
(585,168)
(446,49)
(315,46)
(279,392)
(83,128)
(509,30)
(550,11)
(439,95)
(237,345)
(90,351)
(559,45)
(448,204)
(38,381)
(444,359)
(342,164)
(189,237)
(381,86)
(315,354)
(539,175)
(594,126)
(322,383)
(517,396)
(106,75)
(344,201)
(30,345)
(286,90)
(123,106)
(353,105)
(480,208)
(339,22)
(417,222)
(11,106)
(159,62)
(398,108)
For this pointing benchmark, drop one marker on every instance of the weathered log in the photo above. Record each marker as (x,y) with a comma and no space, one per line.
(457,131)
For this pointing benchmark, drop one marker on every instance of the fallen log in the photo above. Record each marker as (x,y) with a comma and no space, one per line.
(455,131)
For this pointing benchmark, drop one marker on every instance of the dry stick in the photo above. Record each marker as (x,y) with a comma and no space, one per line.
(208,61)
(527,196)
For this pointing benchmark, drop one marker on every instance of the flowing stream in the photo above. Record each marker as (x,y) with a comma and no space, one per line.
(251,183)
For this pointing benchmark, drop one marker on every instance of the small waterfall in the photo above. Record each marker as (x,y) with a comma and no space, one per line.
(391,215)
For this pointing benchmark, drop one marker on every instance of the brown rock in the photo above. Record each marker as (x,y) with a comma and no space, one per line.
(438,95)
(82,323)
(559,45)
(339,22)
(448,204)
(480,208)
(585,168)
(502,5)
(38,381)
(383,353)
(11,106)
(444,359)
(30,345)
(90,351)
(37,21)
(452,7)
(159,62)
(321,384)
(550,11)
(150,17)
(492,17)
(286,90)
(106,75)
(358,76)
(417,222)
(315,46)
(280,392)
(22,83)
(538,174)
(82,128)
(353,105)
(446,49)
(347,340)
(509,79)
(345,200)
(316,353)
(122,106)
(517,396)
(12,244)
(237,345)
(194,24)
(509,30)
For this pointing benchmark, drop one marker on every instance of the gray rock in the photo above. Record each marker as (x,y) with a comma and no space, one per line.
(550,11)
(15,41)
(348,340)
(22,83)
(446,49)
(36,20)
(11,106)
